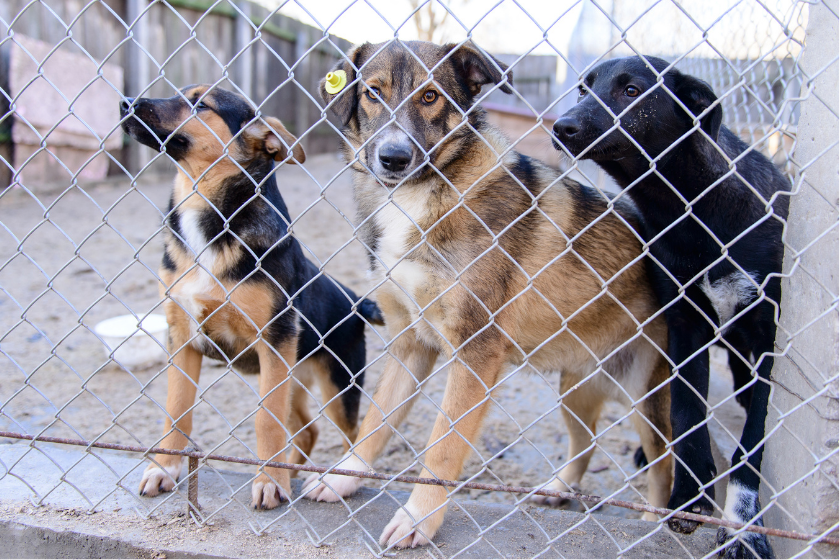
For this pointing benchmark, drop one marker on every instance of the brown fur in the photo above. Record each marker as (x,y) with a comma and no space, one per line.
(206,301)
(502,241)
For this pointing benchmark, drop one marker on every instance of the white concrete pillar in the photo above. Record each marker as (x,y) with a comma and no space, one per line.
(800,458)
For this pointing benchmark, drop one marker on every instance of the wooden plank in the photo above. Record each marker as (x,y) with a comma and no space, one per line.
(161,32)
(301,72)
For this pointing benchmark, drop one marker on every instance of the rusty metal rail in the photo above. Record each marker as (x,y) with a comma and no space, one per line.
(194,456)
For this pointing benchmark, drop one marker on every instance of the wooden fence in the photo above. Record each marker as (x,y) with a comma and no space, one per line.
(185,42)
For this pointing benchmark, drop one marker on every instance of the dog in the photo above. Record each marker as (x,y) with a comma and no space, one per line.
(487,257)
(238,287)
(736,298)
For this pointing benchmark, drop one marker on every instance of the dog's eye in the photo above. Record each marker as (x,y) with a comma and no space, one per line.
(199,105)
(372,93)
(632,91)
(430,97)
(581,91)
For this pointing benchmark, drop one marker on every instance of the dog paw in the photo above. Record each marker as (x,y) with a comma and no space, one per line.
(333,487)
(401,532)
(702,506)
(267,493)
(156,479)
(552,501)
(648,516)
(742,506)
(746,545)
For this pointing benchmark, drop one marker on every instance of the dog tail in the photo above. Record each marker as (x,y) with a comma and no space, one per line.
(371,312)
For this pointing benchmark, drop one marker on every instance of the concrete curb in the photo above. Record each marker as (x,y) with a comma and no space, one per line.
(125,525)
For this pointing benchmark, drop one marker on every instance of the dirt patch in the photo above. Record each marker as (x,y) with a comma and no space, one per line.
(85,256)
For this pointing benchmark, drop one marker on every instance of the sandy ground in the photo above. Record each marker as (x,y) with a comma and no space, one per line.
(67,263)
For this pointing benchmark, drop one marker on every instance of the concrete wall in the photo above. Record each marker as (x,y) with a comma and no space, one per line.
(800,458)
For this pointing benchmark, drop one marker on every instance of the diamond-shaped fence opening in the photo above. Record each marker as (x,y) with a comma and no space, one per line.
(551,269)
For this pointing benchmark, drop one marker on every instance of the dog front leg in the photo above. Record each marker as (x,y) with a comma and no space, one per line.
(182,382)
(581,410)
(742,503)
(408,364)
(694,467)
(273,485)
(464,408)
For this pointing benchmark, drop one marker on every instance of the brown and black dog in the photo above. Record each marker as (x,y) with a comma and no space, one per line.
(487,257)
(238,287)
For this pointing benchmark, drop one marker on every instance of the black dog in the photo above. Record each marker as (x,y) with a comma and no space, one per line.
(732,292)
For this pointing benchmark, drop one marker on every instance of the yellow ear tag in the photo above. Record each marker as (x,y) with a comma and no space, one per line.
(336,81)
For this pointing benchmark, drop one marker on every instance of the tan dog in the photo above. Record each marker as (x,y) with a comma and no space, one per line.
(488,258)
(230,268)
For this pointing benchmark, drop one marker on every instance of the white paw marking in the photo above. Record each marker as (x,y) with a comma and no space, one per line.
(551,501)
(333,487)
(741,503)
(156,480)
(267,495)
(401,533)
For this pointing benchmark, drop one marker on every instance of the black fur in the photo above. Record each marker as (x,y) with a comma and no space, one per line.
(270,256)
(686,250)
(639,458)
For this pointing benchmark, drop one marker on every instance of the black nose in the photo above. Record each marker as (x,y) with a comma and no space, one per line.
(125,104)
(566,127)
(394,158)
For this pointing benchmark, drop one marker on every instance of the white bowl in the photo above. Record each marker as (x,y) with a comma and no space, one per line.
(133,348)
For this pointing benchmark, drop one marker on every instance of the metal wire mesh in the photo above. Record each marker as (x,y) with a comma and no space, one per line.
(84,219)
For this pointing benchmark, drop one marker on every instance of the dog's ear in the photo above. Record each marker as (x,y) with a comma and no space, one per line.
(478,68)
(343,103)
(698,96)
(268,134)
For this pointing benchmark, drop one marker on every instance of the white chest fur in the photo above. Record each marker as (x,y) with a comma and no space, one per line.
(396,221)
(200,281)
(195,239)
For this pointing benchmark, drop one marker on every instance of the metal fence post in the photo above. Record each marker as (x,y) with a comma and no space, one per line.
(137,74)
(192,490)
(244,34)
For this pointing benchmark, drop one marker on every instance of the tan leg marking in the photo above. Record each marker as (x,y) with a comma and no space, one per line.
(182,381)
(656,409)
(580,414)
(272,485)
(299,417)
(417,522)
(335,409)
(393,396)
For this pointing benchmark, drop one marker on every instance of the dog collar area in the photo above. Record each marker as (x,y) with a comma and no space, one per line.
(336,81)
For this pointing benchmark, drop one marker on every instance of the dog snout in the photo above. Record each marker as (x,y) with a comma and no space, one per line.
(394,157)
(565,128)
(126,103)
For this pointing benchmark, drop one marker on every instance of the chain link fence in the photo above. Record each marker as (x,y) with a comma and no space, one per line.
(87,211)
